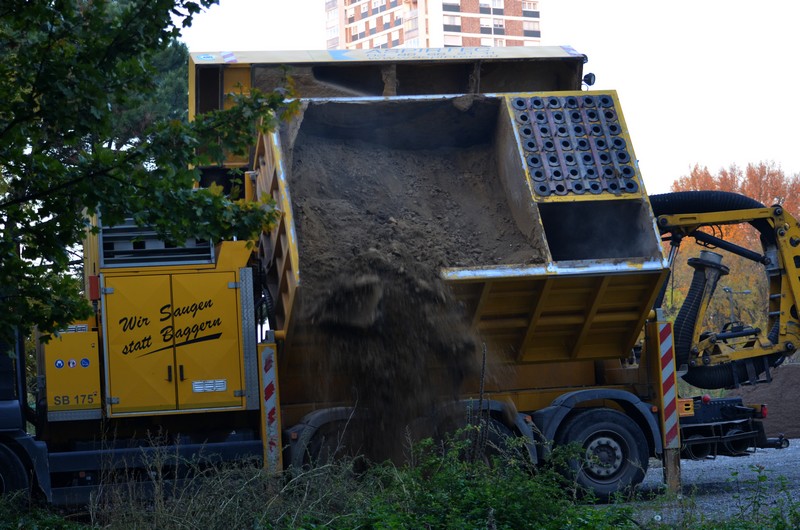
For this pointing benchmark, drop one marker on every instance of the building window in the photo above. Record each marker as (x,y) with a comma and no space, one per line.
(487,41)
(497,4)
(485,6)
(452,23)
(453,40)
(364,9)
(381,41)
(530,6)
(332,32)
(451,5)
(498,23)
(499,42)
(530,26)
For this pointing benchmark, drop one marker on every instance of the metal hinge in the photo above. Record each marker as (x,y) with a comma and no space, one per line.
(113,400)
(233,285)
(238,393)
(107,290)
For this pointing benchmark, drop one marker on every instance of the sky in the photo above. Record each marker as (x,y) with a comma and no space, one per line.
(700,82)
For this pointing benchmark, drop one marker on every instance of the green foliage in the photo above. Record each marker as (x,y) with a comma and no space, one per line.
(438,489)
(80,132)
(17,513)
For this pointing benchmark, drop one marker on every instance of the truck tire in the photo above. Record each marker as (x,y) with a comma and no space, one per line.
(614,452)
(334,441)
(13,477)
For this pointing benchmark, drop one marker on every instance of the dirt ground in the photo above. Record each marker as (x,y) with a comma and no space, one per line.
(375,226)
(782,404)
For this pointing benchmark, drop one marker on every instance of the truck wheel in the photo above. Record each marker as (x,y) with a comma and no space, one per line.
(13,476)
(614,452)
(333,441)
(498,443)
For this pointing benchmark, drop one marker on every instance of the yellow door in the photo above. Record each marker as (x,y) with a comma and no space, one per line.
(141,360)
(205,329)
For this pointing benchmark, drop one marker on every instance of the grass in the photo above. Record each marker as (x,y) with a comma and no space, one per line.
(438,488)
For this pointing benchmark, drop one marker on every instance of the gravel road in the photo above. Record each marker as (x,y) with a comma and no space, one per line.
(723,488)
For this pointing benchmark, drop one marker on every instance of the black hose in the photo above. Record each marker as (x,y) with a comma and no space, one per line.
(685,322)
(710,201)
(722,375)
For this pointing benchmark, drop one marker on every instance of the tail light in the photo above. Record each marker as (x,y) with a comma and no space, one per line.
(763,412)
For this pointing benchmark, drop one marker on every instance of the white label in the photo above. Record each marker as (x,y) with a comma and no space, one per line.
(210,385)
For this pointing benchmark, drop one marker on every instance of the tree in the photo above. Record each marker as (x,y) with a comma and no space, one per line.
(72,73)
(165,100)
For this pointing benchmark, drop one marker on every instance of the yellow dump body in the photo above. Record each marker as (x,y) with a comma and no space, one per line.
(558,161)
(603,265)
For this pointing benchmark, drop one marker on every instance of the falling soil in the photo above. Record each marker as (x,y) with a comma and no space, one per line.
(779,395)
(375,227)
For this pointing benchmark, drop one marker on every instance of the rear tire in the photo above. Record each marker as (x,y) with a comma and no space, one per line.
(13,477)
(334,441)
(613,452)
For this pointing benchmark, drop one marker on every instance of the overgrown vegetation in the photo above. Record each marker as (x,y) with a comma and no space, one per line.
(440,486)
(79,128)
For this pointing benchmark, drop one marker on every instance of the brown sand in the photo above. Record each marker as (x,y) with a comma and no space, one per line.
(781,399)
(375,226)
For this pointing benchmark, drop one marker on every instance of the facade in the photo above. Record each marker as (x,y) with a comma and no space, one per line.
(363,24)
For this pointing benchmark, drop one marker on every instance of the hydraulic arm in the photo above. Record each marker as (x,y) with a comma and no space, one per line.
(732,356)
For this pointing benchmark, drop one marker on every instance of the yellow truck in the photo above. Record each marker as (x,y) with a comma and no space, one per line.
(464,233)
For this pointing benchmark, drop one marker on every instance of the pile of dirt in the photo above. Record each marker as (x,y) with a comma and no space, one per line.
(375,226)
(431,208)
(783,408)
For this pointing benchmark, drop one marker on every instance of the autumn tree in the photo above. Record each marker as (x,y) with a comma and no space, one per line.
(69,72)
(764,182)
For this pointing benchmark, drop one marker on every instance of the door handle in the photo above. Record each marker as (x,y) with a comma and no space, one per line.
(180,371)
(169,373)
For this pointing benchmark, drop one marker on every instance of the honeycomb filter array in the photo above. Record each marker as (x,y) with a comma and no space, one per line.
(574,145)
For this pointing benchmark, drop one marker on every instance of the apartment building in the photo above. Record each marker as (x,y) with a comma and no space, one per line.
(363,24)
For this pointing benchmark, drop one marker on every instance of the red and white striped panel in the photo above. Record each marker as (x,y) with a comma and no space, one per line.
(270,411)
(669,387)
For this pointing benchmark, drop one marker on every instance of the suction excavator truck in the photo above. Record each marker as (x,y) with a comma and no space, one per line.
(205,346)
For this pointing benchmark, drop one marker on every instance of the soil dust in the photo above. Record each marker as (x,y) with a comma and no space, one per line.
(783,407)
(375,226)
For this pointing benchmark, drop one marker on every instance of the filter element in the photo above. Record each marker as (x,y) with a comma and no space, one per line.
(579,138)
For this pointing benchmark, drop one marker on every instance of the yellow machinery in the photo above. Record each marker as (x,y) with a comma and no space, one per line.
(204,346)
